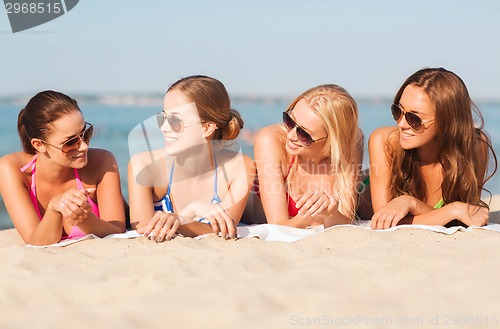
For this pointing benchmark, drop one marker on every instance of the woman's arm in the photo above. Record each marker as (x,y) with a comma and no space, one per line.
(109,196)
(380,171)
(22,211)
(140,194)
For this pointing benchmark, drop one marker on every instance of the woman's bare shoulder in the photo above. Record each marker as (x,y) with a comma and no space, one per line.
(381,136)
(15,160)
(146,159)
(271,133)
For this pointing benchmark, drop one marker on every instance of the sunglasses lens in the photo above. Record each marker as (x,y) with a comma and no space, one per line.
(160,119)
(87,134)
(71,144)
(396,112)
(75,142)
(175,123)
(304,137)
(287,121)
(414,121)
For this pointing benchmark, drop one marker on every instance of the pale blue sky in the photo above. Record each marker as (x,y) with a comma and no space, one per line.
(254,47)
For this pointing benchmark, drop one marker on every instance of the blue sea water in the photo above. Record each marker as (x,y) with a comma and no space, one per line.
(113,123)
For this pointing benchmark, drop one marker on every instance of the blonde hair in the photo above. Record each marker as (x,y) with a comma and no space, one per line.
(339,112)
(213,104)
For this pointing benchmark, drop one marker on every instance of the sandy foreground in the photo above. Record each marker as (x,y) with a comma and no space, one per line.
(346,277)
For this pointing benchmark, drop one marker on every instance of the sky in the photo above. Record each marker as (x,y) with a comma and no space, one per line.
(258,48)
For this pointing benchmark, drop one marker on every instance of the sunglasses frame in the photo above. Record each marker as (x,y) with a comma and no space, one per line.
(407,115)
(302,135)
(161,117)
(79,137)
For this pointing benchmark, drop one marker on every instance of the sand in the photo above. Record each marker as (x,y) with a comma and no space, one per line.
(345,277)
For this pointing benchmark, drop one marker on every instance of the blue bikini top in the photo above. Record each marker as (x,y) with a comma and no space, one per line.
(166,205)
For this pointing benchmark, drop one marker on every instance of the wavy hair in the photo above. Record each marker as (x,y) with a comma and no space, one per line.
(464,147)
(339,113)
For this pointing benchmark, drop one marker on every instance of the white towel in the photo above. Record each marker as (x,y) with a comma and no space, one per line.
(272,232)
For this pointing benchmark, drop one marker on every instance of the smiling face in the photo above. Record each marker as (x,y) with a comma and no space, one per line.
(182,125)
(307,119)
(414,100)
(62,130)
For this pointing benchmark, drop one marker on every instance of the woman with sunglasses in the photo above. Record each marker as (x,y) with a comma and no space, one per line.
(59,188)
(431,169)
(308,167)
(196,184)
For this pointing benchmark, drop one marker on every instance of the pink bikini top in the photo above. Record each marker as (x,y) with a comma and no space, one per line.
(75,232)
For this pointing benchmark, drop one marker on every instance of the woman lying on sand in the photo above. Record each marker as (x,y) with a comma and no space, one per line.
(308,166)
(59,188)
(196,184)
(431,169)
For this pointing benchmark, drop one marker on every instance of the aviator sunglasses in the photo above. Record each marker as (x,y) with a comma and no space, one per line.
(302,135)
(175,123)
(413,120)
(75,142)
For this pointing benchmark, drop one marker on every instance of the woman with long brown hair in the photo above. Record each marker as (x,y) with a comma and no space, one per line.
(432,167)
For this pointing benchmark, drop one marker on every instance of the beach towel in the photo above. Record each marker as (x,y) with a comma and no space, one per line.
(272,232)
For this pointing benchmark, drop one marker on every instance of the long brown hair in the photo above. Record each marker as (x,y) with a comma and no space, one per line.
(463,150)
(213,104)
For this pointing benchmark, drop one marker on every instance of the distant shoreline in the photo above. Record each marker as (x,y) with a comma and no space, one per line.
(152,99)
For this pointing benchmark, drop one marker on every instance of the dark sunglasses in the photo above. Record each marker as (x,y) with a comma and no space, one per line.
(302,135)
(75,142)
(413,120)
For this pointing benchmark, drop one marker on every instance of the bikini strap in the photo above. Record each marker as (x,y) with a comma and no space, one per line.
(32,192)
(216,198)
(79,184)
(30,164)
(167,202)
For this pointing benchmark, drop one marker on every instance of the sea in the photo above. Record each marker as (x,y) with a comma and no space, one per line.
(114,118)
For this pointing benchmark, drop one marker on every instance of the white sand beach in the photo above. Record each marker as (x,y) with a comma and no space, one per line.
(345,277)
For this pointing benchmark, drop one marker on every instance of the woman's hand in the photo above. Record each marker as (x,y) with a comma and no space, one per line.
(219,217)
(390,214)
(471,215)
(163,226)
(317,202)
(73,205)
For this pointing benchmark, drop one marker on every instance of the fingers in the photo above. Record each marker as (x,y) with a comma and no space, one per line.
(314,202)
(74,205)
(163,226)
(222,222)
(384,219)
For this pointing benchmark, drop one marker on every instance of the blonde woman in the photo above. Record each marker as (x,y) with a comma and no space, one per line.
(432,167)
(197,185)
(308,166)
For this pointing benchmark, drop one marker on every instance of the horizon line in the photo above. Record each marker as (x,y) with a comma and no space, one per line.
(145,98)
